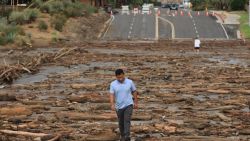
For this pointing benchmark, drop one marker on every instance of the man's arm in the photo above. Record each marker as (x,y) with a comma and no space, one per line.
(112,101)
(135,95)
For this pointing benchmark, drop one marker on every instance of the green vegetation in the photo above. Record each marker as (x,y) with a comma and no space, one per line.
(37,3)
(42,26)
(69,8)
(90,9)
(219,4)
(58,21)
(60,11)
(22,17)
(244,25)
(8,32)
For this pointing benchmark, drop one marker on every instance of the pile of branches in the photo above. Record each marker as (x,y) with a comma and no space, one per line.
(8,73)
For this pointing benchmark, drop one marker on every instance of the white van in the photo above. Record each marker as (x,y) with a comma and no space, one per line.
(125,9)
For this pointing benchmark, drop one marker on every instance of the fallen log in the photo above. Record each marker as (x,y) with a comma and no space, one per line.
(64,53)
(23,133)
(55,138)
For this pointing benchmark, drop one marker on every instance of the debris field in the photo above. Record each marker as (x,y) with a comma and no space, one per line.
(61,93)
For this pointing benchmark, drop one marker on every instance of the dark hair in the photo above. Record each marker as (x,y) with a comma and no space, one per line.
(119,72)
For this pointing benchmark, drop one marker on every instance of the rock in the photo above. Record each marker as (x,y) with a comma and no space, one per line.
(170,129)
(41,118)
(244,132)
(14,111)
(7,97)
(159,126)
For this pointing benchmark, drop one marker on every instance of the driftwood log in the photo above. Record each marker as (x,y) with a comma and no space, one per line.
(48,137)
(29,134)
(8,73)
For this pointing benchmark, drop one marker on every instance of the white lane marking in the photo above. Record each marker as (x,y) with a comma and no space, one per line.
(112,19)
(131,27)
(156,27)
(191,15)
(224,30)
(195,28)
(172,26)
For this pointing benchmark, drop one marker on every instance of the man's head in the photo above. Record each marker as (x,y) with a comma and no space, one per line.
(119,73)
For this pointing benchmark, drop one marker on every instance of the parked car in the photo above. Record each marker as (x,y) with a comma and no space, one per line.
(165,5)
(181,6)
(109,8)
(174,7)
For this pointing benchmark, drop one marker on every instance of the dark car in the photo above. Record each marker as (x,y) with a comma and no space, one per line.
(174,7)
(109,8)
(165,5)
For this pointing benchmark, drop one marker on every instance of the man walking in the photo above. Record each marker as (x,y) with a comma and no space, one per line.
(121,100)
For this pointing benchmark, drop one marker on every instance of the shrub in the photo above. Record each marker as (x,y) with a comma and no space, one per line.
(2,40)
(9,33)
(71,9)
(26,16)
(56,7)
(5,12)
(23,41)
(46,7)
(74,9)
(17,17)
(237,4)
(66,3)
(3,21)
(32,14)
(58,21)
(37,3)
(54,37)
(90,9)
(42,26)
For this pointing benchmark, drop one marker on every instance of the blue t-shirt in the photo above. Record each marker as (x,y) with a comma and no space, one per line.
(122,92)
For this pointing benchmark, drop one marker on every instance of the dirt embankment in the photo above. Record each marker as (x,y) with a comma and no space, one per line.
(79,29)
(85,28)
(184,96)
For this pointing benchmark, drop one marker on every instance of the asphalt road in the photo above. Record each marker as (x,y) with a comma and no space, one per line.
(171,24)
(131,27)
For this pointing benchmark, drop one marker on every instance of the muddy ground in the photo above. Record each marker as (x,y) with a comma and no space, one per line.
(184,96)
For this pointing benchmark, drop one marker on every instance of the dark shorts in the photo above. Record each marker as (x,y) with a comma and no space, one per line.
(196,47)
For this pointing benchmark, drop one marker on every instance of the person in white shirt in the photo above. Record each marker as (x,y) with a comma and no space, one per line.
(197,44)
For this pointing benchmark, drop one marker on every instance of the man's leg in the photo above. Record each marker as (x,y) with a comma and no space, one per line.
(127,122)
(120,115)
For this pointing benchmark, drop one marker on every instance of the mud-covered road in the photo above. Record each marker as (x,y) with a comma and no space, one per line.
(184,96)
